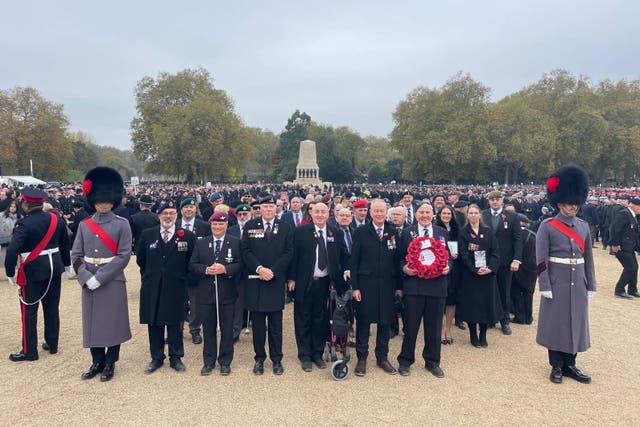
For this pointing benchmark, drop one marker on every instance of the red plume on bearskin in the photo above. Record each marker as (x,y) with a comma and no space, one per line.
(86,186)
(552,183)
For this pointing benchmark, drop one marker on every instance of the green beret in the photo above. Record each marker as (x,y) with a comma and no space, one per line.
(187,201)
(243,207)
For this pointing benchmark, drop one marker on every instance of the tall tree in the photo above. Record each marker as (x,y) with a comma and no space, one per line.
(442,133)
(33,129)
(294,132)
(187,128)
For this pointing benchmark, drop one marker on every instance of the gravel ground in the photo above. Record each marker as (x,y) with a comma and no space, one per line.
(505,384)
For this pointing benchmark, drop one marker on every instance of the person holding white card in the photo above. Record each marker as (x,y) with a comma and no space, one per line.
(479,302)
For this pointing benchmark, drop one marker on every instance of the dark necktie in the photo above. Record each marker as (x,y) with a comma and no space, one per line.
(379,233)
(188,227)
(267,231)
(217,248)
(322,252)
(494,221)
(426,232)
(297,215)
(409,216)
(347,237)
(165,236)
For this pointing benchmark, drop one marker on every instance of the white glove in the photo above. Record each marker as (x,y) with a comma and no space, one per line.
(547,294)
(591,294)
(67,272)
(93,283)
(12,281)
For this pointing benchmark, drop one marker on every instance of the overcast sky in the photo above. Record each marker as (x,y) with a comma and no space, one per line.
(346,63)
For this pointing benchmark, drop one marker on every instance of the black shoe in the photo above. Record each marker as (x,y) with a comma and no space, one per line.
(506,328)
(404,370)
(361,368)
(460,325)
(21,357)
(277,368)
(177,365)
(93,370)
(258,368)
(108,372)
(387,367)
(483,342)
(225,370)
(153,366)
(518,321)
(634,294)
(473,337)
(556,375)
(288,300)
(321,364)
(435,370)
(206,370)
(623,295)
(576,374)
(50,349)
(306,365)
(196,338)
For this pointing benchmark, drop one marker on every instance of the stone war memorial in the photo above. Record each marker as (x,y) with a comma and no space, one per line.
(307,170)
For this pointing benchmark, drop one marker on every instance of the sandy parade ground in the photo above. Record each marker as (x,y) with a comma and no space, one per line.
(505,384)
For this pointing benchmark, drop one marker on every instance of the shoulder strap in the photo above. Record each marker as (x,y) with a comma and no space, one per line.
(21,279)
(102,235)
(567,231)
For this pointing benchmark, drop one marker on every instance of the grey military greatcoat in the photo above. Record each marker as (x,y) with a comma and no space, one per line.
(563,323)
(105,313)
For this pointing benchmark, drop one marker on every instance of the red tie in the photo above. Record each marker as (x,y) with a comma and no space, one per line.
(297,220)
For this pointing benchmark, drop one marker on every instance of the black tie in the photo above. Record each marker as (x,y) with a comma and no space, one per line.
(322,252)
(426,232)
(217,248)
(267,232)
(494,221)
(347,234)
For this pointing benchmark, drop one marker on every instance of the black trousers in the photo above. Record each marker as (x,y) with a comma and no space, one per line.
(50,309)
(629,275)
(522,303)
(504,289)
(429,310)
(259,328)
(174,341)
(195,323)
(239,311)
(311,320)
(558,359)
(363,331)
(108,356)
(207,312)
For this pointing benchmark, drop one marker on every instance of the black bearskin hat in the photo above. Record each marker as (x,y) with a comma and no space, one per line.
(103,184)
(569,184)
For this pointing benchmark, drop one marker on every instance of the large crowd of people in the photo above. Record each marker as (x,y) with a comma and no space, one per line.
(218,258)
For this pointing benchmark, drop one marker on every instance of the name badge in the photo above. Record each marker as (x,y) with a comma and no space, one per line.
(331,239)
(154,245)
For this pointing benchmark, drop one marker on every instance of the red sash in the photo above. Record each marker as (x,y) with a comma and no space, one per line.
(102,235)
(21,278)
(567,231)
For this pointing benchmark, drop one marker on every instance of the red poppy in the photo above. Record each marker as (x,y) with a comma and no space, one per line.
(552,183)
(180,233)
(86,186)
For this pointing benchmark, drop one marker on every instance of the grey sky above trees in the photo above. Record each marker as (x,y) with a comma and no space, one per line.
(346,63)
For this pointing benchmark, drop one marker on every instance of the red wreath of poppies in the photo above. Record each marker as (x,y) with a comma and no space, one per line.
(413,258)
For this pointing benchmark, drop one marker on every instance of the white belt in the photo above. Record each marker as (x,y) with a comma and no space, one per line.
(98,261)
(568,261)
(24,255)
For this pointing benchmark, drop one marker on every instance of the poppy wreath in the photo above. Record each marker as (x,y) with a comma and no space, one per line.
(429,261)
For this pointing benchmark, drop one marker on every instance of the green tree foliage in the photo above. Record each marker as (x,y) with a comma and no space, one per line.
(264,155)
(294,132)
(33,128)
(187,128)
(442,133)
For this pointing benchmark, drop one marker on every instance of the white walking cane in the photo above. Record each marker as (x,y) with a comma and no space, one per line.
(246,330)
(215,280)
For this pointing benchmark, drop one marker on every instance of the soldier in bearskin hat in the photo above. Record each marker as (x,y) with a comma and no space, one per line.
(101,251)
(566,275)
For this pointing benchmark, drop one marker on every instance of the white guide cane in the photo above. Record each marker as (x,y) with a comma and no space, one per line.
(246,330)
(215,280)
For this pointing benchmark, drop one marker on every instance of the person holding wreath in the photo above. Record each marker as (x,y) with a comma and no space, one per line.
(424,264)
(479,302)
